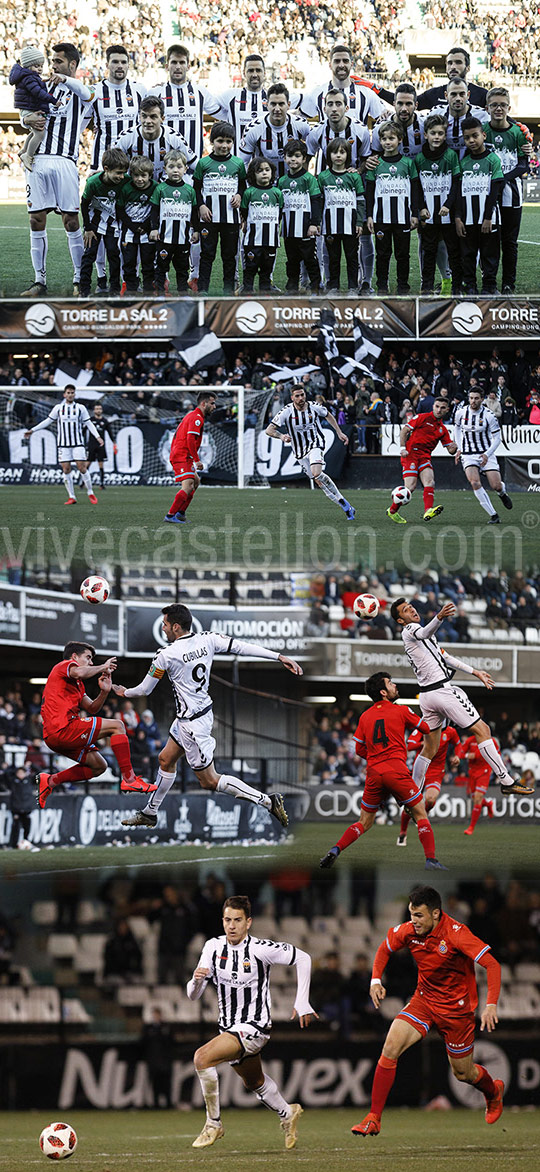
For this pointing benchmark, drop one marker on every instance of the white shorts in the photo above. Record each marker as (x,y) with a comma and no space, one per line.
(314,456)
(195,738)
(448,703)
(251,1040)
(52,183)
(473,461)
(65,454)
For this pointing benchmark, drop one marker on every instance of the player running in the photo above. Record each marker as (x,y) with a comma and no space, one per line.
(419,438)
(440,700)
(184,456)
(445,997)
(66,732)
(380,738)
(96,447)
(72,421)
(239,965)
(306,437)
(478,435)
(478,779)
(434,775)
(188,662)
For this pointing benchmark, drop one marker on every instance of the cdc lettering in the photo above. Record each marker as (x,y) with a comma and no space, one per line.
(338,803)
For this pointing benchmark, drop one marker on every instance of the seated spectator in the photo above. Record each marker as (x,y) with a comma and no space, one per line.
(123,957)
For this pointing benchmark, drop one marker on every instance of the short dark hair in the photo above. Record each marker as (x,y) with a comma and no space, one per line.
(118,49)
(180,50)
(178,615)
(435,120)
(394,609)
(440,399)
(150,101)
(254,57)
(70,51)
(427,895)
(375,683)
(254,168)
(341,49)
(70,387)
(332,147)
(333,93)
(471,123)
(239,903)
(293,145)
(405,87)
(223,130)
(390,124)
(459,49)
(74,648)
(205,395)
(278,87)
(115,160)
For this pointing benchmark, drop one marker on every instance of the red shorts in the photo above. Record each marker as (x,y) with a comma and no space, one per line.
(479,781)
(434,782)
(184,469)
(77,739)
(457,1030)
(413,465)
(390,777)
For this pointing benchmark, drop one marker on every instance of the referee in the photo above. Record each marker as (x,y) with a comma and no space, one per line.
(96,444)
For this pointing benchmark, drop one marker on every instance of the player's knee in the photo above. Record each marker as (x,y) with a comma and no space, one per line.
(207,782)
(463,1075)
(483,731)
(71,223)
(119,727)
(199,1059)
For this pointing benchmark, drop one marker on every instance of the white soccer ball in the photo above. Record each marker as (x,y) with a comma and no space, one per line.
(366,606)
(95,589)
(401,495)
(58,1141)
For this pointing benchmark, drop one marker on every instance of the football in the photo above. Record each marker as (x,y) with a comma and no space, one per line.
(95,589)
(366,606)
(58,1141)
(401,495)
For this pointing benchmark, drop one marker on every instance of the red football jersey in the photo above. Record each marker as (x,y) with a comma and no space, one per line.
(449,736)
(187,437)
(478,768)
(61,699)
(380,733)
(427,432)
(445,960)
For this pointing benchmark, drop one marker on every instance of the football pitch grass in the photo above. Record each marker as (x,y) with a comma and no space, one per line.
(255,529)
(119,1141)
(17,273)
(514,847)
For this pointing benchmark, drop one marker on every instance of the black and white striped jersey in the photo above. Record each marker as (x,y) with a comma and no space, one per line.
(424,654)
(241,107)
(133,143)
(304,427)
(413,137)
(363,102)
(72,422)
(64,124)
(185,107)
(355,133)
(476,432)
(262,140)
(241,975)
(454,134)
(113,109)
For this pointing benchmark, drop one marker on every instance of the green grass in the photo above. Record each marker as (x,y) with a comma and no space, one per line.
(516,844)
(256,529)
(122,1140)
(17,272)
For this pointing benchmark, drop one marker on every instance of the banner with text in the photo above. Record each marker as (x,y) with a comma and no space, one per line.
(43,618)
(496,318)
(88,321)
(356,659)
(285,317)
(281,629)
(342,803)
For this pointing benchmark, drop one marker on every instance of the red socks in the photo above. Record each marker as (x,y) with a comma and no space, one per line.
(476,812)
(385,1073)
(405,819)
(393,507)
(181,502)
(120,748)
(426,836)
(75,773)
(429,493)
(350,835)
(485,1083)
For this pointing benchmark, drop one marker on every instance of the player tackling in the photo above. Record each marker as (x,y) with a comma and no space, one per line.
(419,438)
(239,965)
(184,456)
(445,997)
(306,436)
(187,661)
(441,700)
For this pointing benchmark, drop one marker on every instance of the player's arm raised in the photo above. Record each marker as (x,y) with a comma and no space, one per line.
(78,671)
(257,651)
(460,665)
(92,707)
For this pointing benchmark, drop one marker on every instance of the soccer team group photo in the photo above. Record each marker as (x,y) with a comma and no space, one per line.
(269,585)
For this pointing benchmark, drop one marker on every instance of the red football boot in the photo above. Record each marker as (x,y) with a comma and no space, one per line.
(70,501)
(136,785)
(44,789)
(494,1107)
(371,1125)
(92,498)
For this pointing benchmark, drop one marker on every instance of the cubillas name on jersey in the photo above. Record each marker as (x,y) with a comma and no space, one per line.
(200,653)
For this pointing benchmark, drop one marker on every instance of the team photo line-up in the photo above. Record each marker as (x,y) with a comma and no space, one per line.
(159,199)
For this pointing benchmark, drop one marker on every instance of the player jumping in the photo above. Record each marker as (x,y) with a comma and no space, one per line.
(380,739)
(305,435)
(434,775)
(440,700)
(445,997)
(184,456)
(66,732)
(188,662)
(72,421)
(418,438)
(478,779)
(239,964)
